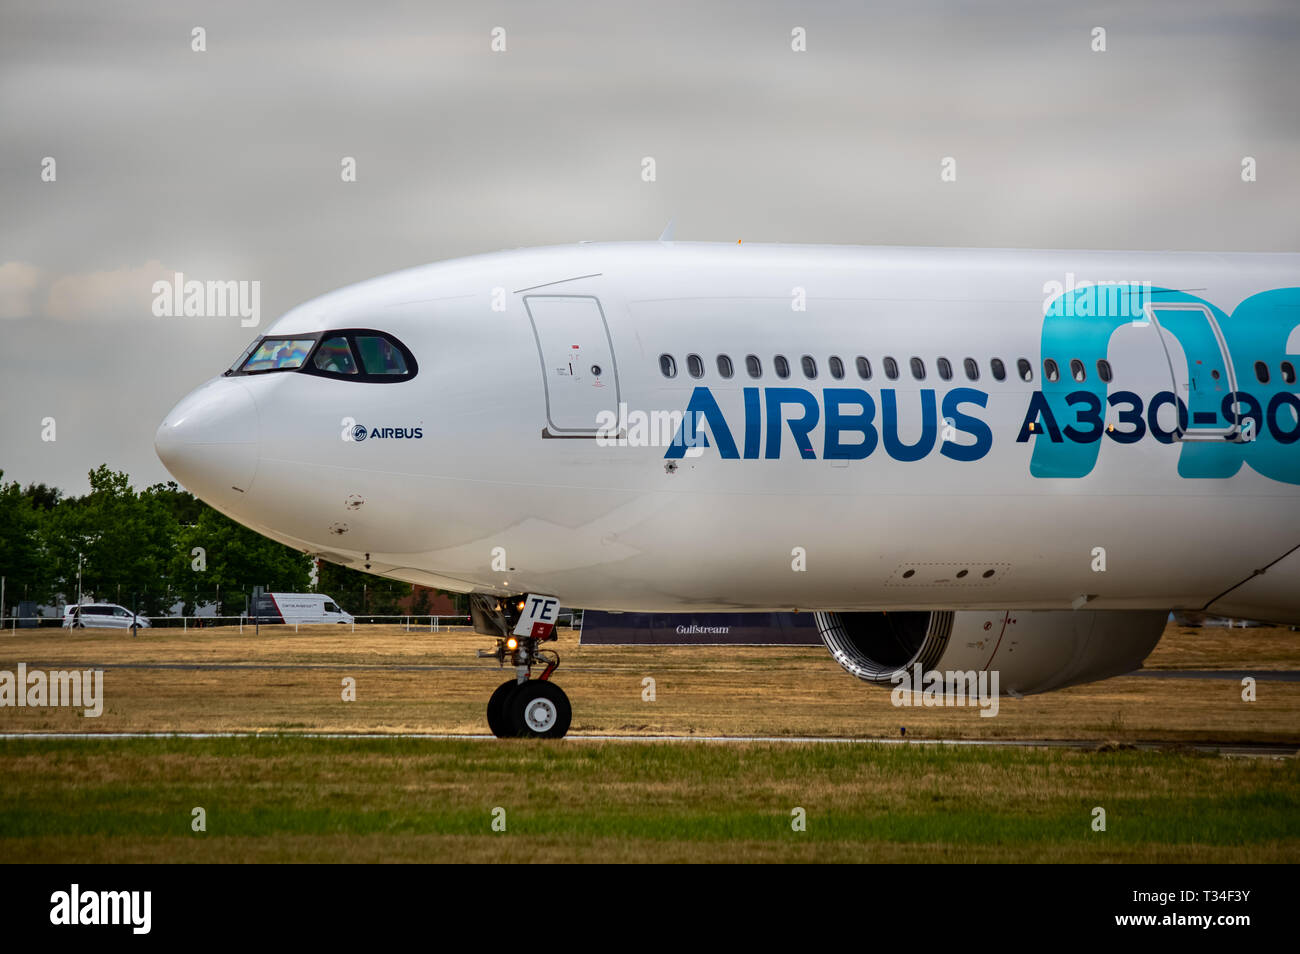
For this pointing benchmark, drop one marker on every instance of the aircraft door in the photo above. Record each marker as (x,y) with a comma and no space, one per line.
(577,356)
(1201,367)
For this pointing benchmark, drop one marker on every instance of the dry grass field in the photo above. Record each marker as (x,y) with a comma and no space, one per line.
(280,797)
(282,681)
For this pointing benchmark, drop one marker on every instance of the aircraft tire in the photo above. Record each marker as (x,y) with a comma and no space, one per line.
(496,710)
(539,710)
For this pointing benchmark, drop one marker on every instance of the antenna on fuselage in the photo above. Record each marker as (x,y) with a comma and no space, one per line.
(667,234)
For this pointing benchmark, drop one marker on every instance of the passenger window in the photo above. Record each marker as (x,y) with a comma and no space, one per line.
(945,369)
(918,369)
(667,366)
(1077,371)
(864,368)
(754,366)
(1026,370)
(1261,372)
(694,366)
(724,366)
(335,357)
(972,369)
(781,366)
(809,366)
(998,368)
(1288,372)
(1050,370)
(837,367)
(1103,370)
(379,355)
(891,369)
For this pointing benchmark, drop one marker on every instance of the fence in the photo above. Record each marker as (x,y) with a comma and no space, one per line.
(412,623)
(185,623)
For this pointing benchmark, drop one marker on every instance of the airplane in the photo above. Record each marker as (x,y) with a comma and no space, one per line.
(959,459)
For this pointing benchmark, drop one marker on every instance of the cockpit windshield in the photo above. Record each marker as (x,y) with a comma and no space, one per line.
(279,354)
(354,354)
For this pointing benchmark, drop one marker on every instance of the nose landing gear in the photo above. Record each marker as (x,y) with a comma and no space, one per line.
(524,707)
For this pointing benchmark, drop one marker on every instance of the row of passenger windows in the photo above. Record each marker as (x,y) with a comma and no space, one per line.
(971,367)
(862,365)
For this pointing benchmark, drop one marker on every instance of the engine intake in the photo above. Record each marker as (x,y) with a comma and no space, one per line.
(874,646)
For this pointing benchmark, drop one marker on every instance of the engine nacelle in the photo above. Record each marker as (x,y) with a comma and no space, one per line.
(1032,651)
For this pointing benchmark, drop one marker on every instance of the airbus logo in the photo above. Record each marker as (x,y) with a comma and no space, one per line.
(854,424)
(852,428)
(355,433)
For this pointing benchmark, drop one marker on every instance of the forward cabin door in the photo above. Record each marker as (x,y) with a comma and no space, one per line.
(1201,368)
(577,359)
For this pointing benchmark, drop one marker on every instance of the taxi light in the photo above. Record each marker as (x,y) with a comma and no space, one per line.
(512,644)
(520,606)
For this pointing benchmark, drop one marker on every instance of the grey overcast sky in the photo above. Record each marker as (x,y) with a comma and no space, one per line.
(225,164)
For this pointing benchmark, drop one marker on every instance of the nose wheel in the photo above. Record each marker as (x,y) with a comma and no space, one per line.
(496,709)
(532,709)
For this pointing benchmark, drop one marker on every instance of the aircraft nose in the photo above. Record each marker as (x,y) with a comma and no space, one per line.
(209,441)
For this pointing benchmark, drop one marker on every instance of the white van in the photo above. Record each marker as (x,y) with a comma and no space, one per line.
(299,608)
(102,616)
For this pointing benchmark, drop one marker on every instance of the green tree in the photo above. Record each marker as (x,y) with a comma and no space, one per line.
(361,593)
(234,559)
(22,561)
(123,540)
(43,497)
(181,504)
(154,547)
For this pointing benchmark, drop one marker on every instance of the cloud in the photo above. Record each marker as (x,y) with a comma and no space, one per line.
(121,293)
(18,284)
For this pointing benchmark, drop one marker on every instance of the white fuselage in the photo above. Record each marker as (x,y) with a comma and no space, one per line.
(483,471)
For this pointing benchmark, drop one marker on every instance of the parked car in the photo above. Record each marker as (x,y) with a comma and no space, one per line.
(102,616)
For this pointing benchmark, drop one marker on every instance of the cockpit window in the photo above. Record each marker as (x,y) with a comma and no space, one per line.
(279,354)
(334,356)
(239,362)
(379,356)
(353,354)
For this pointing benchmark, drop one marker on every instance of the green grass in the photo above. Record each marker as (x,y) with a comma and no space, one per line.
(285,798)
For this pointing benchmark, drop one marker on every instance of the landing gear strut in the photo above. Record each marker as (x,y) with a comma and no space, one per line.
(522,707)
